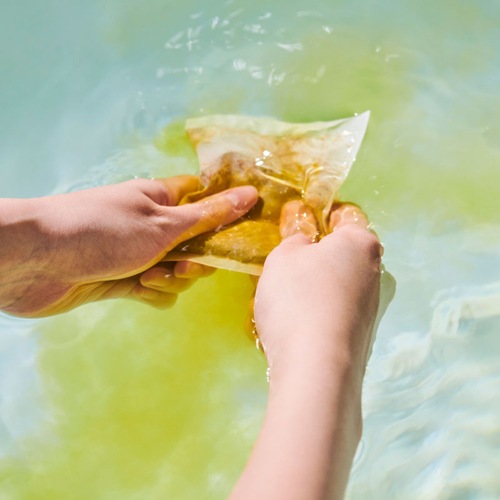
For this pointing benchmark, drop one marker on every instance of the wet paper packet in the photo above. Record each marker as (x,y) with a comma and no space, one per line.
(284,161)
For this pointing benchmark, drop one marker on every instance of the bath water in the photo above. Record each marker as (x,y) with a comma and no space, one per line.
(117,400)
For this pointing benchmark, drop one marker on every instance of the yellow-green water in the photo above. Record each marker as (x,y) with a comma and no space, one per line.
(121,401)
(144,404)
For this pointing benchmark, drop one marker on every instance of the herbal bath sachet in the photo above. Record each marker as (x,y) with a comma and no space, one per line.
(284,161)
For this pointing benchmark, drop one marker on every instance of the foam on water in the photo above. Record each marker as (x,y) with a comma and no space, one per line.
(121,401)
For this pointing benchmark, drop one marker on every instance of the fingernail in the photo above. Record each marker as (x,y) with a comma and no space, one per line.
(381,250)
(296,217)
(243,197)
(149,294)
(159,281)
(348,214)
(185,269)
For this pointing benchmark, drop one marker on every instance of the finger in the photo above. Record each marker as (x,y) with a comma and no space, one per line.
(154,298)
(114,289)
(351,218)
(177,187)
(295,218)
(192,270)
(164,280)
(347,214)
(88,292)
(298,239)
(214,211)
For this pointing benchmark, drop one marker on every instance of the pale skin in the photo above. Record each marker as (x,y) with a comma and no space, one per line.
(315,308)
(315,305)
(58,252)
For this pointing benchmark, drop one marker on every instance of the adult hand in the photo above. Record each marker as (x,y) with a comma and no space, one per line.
(307,289)
(315,308)
(62,251)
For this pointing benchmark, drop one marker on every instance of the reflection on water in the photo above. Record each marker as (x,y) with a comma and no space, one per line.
(121,399)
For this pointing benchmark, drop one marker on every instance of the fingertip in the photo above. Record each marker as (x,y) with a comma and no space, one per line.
(155,298)
(295,218)
(347,214)
(190,270)
(242,198)
(219,209)
(156,274)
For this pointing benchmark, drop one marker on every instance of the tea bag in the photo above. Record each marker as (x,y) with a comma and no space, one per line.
(284,161)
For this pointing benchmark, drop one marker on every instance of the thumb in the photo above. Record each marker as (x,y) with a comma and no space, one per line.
(214,211)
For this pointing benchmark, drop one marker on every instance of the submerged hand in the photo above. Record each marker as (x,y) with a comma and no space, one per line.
(62,251)
(308,289)
(315,308)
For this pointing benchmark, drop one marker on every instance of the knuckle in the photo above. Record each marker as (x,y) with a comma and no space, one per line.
(361,239)
(216,207)
(153,189)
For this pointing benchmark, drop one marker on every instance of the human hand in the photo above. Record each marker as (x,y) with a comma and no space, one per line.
(65,250)
(317,302)
(315,309)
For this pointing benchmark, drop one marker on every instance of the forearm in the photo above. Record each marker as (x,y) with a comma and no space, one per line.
(310,433)
(19,245)
(314,310)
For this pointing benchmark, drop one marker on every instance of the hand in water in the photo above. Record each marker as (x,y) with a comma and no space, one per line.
(107,242)
(307,289)
(315,308)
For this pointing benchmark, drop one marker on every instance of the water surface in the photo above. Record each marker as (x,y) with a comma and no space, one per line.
(120,401)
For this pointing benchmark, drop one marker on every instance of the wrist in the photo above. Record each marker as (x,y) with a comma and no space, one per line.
(17,230)
(21,242)
(314,406)
(315,378)
(322,357)
(308,368)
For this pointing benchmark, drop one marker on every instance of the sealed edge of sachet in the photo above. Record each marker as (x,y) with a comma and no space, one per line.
(271,126)
(316,163)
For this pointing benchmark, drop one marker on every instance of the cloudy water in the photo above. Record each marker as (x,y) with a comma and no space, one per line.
(117,400)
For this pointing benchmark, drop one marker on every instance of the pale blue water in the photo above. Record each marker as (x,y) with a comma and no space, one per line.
(85,87)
